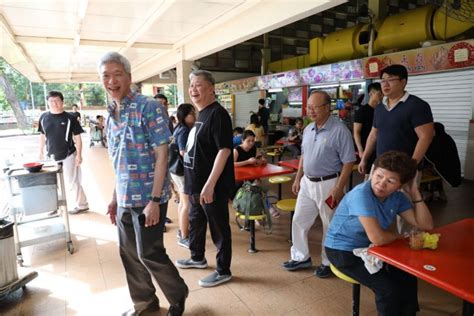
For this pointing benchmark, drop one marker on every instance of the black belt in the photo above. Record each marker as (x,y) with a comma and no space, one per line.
(318,179)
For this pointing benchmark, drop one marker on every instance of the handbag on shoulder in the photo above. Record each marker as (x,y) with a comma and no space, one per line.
(175,161)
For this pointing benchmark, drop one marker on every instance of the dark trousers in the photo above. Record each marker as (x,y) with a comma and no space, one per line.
(217,215)
(396,292)
(143,256)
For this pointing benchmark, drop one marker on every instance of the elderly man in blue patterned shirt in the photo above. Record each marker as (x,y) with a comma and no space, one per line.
(138,136)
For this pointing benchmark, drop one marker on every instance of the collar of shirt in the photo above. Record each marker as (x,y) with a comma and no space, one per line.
(402,99)
(129,97)
(327,125)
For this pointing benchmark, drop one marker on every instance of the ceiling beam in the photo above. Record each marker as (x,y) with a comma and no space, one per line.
(89,42)
(4,24)
(156,11)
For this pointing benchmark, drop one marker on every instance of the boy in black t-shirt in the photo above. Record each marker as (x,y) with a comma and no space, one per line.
(61,133)
(209,180)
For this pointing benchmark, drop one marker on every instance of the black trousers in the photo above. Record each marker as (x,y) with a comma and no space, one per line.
(143,256)
(396,292)
(217,215)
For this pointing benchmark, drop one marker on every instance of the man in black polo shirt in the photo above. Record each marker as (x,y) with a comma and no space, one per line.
(61,132)
(208,180)
(402,122)
(363,120)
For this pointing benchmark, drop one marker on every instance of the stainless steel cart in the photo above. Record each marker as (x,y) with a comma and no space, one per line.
(38,207)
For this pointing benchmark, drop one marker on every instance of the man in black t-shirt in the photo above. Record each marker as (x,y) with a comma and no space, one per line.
(363,120)
(61,133)
(208,180)
(263,114)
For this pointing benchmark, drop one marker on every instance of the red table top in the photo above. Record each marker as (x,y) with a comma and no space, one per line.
(453,260)
(293,163)
(284,142)
(256,172)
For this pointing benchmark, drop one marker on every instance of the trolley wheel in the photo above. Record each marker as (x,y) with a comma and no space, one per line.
(70,247)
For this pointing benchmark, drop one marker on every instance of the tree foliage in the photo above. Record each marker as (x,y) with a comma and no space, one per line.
(93,93)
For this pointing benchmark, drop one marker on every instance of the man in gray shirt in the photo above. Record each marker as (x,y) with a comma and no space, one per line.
(325,166)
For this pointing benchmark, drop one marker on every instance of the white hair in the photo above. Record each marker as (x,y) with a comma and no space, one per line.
(114,57)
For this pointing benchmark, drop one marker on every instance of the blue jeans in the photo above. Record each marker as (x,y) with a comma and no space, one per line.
(396,292)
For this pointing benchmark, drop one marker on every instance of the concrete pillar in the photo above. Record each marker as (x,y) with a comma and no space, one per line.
(183,69)
(266,54)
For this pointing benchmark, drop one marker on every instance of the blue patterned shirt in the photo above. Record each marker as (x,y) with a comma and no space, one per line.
(143,126)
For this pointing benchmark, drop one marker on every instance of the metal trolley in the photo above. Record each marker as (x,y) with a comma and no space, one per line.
(38,207)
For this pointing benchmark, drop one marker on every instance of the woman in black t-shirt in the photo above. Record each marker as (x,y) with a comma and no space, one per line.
(246,153)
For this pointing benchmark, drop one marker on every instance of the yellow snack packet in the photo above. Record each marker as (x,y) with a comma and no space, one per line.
(430,241)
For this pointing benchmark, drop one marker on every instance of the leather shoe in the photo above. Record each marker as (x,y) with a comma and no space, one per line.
(178,308)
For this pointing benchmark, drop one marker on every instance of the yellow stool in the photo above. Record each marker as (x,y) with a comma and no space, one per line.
(273,154)
(355,289)
(287,205)
(279,180)
(252,220)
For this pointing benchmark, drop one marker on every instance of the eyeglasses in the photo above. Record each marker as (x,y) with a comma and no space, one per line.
(316,106)
(389,81)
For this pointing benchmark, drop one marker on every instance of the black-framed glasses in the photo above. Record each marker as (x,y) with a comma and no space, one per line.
(389,80)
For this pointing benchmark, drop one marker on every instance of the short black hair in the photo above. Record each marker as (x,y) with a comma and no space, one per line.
(299,119)
(374,86)
(160,96)
(261,101)
(254,120)
(398,162)
(183,110)
(247,133)
(55,94)
(239,130)
(395,70)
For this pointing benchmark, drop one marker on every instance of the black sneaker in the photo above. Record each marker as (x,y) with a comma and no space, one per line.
(293,265)
(151,309)
(178,308)
(323,272)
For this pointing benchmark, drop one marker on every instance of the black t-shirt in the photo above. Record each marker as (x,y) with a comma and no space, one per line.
(211,133)
(245,155)
(365,116)
(59,130)
(396,128)
(264,114)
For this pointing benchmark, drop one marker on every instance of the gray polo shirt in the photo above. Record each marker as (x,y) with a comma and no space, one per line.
(326,149)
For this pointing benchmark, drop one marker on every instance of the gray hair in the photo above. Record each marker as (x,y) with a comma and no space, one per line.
(114,57)
(207,75)
(327,97)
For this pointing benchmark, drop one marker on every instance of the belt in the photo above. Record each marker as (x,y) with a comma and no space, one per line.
(318,179)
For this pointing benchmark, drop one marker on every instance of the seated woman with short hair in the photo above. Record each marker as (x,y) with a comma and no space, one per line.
(364,217)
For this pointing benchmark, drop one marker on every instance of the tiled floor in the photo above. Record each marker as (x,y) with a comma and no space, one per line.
(91,281)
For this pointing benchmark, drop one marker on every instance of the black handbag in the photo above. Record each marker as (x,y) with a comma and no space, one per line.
(175,161)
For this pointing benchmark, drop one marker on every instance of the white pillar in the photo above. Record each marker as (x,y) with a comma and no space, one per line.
(183,69)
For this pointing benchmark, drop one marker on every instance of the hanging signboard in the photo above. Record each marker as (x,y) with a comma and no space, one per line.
(424,60)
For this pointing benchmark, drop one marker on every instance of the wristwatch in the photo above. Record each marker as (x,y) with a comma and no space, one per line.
(156,199)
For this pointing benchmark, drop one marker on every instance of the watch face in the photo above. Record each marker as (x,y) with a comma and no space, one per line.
(155,198)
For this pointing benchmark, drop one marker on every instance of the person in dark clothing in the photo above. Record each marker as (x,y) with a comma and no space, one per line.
(209,180)
(263,114)
(75,113)
(363,120)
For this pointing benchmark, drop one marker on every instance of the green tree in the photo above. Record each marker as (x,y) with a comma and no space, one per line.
(171,92)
